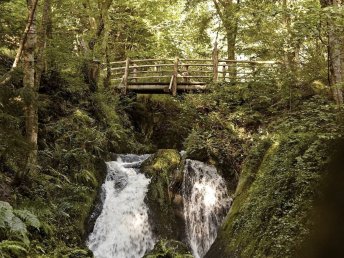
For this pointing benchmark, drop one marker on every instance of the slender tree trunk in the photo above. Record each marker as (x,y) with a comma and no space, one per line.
(336,75)
(335,52)
(291,55)
(32,12)
(228,12)
(42,42)
(105,47)
(98,43)
(231,44)
(30,110)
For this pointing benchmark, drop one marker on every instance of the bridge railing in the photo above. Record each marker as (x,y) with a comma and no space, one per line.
(172,75)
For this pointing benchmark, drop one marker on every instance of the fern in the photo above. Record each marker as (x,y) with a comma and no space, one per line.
(86,177)
(29,218)
(13,223)
(6,214)
(9,249)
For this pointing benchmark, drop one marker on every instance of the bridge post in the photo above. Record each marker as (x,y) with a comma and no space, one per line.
(224,72)
(215,63)
(135,72)
(254,71)
(126,75)
(175,77)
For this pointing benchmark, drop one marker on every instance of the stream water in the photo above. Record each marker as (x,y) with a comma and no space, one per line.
(122,229)
(206,203)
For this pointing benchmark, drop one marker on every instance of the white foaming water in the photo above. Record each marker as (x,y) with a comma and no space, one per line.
(122,230)
(206,203)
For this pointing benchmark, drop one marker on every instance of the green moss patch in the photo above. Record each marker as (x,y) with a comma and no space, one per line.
(169,249)
(164,193)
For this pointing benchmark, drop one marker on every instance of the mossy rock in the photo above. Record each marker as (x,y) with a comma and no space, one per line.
(270,216)
(169,249)
(164,196)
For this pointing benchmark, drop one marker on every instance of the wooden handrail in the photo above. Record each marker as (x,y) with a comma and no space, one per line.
(249,61)
(189,64)
(116,62)
(194,76)
(152,71)
(150,60)
(153,65)
(117,68)
(195,60)
(148,77)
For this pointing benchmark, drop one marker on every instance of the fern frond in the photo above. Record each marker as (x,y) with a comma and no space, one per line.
(12,249)
(6,214)
(86,177)
(29,218)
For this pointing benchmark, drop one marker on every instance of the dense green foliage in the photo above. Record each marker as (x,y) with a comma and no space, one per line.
(14,226)
(76,137)
(271,139)
(281,174)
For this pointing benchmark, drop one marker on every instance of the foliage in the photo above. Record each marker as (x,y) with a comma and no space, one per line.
(15,225)
(270,215)
(10,249)
(266,135)
(284,165)
(169,248)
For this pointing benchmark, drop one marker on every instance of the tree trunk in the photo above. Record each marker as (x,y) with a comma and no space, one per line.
(30,110)
(99,35)
(103,6)
(228,12)
(42,42)
(231,44)
(291,55)
(32,12)
(335,52)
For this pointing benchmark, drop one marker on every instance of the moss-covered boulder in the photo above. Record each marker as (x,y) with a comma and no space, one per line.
(271,212)
(164,196)
(169,249)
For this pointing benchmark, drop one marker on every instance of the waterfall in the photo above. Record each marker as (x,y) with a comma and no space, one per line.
(122,229)
(206,203)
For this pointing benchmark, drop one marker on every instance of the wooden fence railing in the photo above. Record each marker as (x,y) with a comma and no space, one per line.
(174,75)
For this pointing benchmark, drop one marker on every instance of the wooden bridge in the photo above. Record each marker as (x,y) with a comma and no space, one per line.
(176,75)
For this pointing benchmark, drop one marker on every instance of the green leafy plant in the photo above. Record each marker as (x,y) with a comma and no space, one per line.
(14,229)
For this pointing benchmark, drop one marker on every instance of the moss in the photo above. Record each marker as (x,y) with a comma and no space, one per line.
(159,121)
(270,214)
(164,193)
(169,249)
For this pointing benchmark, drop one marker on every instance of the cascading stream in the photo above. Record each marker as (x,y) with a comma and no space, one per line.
(206,203)
(122,230)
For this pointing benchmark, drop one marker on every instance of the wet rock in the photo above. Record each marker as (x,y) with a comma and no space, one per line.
(164,194)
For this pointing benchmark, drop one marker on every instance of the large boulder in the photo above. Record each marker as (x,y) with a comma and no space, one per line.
(164,197)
